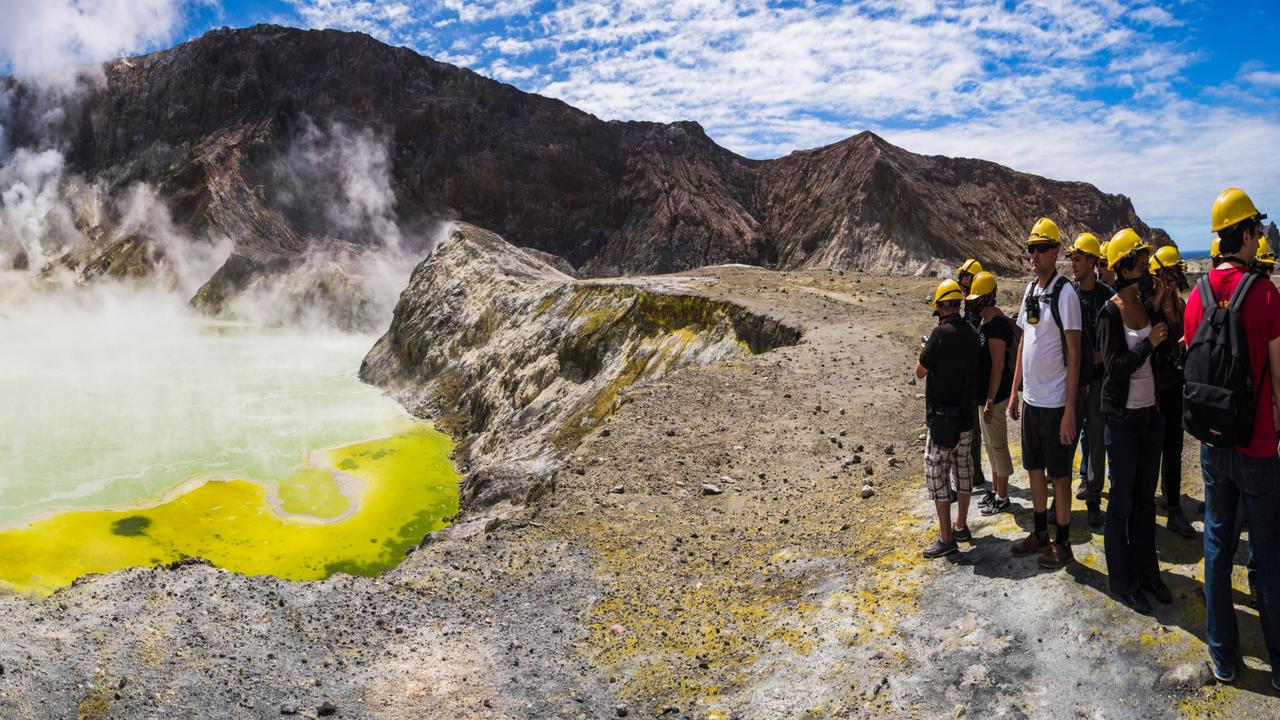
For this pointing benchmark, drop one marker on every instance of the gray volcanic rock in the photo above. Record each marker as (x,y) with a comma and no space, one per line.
(517,361)
(211,124)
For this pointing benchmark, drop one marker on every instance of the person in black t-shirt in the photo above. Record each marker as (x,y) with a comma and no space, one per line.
(992,384)
(965,274)
(949,361)
(1084,256)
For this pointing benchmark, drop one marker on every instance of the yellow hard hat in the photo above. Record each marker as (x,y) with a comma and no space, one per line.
(984,283)
(1086,243)
(948,291)
(1123,244)
(1044,231)
(971,266)
(1265,256)
(1166,256)
(1232,206)
(1214,251)
(1102,251)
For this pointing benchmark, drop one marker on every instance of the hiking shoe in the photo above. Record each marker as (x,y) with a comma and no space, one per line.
(1095,518)
(941,549)
(1027,545)
(1158,590)
(1136,602)
(1179,524)
(961,534)
(1226,676)
(996,507)
(1083,491)
(1055,556)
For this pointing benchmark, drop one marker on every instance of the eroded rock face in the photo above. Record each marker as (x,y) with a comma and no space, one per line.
(518,361)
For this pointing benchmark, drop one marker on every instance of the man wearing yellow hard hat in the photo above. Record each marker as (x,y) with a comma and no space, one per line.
(1085,254)
(948,363)
(1169,278)
(1048,370)
(1232,371)
(994,382)
(968,270)
(1265,261)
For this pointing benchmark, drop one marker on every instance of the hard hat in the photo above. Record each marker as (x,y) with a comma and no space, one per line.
(1102,251)
(984,283)
(971,266)
(1232,206)
(1214,252)
(1166,256)
(948,291)
(1086,243)
(1265,256)
(1044,231)
(1123,244)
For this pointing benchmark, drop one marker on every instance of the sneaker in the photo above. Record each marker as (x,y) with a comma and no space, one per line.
(1095,518)
(961,534)
(941,549)
(1083,491)
(1158,590)
(987,499)
(1179,524)
(1226,676)
(1136,602)
(996,507)
(1027,545)
(1055,556)
(1275,683)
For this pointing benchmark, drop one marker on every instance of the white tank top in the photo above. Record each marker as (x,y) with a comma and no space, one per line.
(1142,383)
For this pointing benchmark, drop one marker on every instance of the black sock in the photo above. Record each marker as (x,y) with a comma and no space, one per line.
(1042,526)
(1064,534)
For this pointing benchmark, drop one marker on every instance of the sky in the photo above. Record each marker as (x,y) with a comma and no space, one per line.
(1166,102)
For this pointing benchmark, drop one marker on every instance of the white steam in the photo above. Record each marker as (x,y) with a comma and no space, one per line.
(53,40)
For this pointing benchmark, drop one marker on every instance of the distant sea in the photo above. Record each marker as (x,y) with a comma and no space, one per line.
(1196,254)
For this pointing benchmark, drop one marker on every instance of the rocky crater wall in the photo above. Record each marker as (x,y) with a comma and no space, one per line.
(517,361)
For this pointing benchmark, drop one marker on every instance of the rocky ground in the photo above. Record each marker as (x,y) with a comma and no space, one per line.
(706,553)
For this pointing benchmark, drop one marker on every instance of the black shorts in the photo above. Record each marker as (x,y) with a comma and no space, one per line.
(1042,448)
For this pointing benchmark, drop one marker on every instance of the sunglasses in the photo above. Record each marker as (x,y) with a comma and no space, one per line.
(1039,248)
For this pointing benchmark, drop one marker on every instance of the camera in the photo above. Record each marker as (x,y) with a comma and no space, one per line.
(1033,309)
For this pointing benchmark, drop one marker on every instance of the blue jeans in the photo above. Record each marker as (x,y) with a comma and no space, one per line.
(1129,536)
(1232,480)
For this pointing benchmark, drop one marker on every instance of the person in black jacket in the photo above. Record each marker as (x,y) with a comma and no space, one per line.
(1135,346)
(1169,273)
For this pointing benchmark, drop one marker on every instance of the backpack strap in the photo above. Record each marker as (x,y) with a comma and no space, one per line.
(1056,288)
(1242,289)
(1206,294)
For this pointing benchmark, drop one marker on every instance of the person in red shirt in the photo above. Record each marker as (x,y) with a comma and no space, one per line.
(1247,476)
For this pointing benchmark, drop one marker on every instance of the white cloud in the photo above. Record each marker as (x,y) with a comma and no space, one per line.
(45,39)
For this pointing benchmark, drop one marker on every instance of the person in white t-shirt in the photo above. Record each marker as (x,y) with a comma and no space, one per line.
(1047,376)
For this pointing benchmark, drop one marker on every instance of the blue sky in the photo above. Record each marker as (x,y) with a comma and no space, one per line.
(1164,102)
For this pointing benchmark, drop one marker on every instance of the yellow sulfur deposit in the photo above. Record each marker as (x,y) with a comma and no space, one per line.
(353,509)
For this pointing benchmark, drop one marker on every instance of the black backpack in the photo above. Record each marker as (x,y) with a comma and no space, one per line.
(1219,399)
(1086,342)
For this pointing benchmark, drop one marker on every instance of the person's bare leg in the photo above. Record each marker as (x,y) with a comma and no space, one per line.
(1039,491)
(962,510)
(1062,496)
(944,519)
(1001,485)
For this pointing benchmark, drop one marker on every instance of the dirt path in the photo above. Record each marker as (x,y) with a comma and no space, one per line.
(632,591)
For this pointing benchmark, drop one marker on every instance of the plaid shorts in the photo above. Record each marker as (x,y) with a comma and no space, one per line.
(945,466)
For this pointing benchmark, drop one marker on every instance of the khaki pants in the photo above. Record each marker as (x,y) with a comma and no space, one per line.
(995,436)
